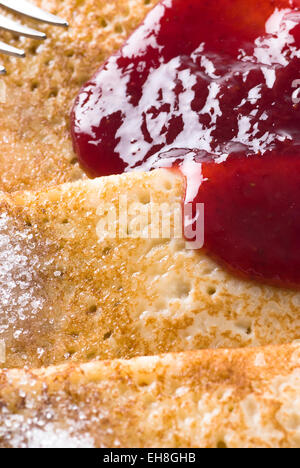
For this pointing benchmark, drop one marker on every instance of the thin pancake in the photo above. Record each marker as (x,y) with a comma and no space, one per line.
(72,291)
(37,94)
(237,398)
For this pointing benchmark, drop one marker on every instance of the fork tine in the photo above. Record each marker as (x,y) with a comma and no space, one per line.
(2,70)
(9,50)
(28,9)
(13,26)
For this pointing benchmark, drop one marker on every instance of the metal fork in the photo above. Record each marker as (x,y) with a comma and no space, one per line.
(24,8)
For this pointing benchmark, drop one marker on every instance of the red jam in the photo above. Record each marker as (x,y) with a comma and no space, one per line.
(217,83)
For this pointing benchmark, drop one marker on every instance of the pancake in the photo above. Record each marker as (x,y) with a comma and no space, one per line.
(237,398)
(91,315)
(72,291)
(37,94)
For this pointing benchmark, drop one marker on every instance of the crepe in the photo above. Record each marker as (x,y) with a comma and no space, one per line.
(70,290)
(237,398)
(38,92)
(77,300)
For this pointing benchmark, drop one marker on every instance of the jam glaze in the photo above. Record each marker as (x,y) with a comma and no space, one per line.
(210,88)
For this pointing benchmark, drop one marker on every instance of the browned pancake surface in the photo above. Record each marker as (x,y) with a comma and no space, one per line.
(70,290)
(71,294)
(240,398)
(38,92)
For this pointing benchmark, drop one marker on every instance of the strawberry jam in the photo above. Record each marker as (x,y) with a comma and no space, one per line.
(216,85)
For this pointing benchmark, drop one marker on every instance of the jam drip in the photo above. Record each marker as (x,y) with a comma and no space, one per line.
(252,215)
(215,84)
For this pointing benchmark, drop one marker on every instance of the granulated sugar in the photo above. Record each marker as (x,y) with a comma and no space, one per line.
(19,265)
(49,437)
(21,432)
(21,294)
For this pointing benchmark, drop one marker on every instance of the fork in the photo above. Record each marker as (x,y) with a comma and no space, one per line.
(24,8)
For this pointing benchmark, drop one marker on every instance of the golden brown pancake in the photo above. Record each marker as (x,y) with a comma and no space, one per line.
(70,291)
(72,295)
(237,398)
(38,92)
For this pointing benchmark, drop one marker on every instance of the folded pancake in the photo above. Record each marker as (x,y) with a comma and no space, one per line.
(72,288)
(37,94)
(237,398)
(71,291)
